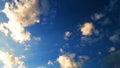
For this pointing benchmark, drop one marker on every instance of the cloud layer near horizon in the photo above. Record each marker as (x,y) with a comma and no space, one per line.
(21,14)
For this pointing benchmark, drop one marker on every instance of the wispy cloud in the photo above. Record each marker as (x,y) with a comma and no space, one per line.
(97,16)
(37,38)
(21,14)
(84,58)
(50,62)
(61,50)
(67,35)
(115,38)
(41,67)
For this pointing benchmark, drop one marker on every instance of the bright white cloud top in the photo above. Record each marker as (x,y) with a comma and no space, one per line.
(21,14)
(87,28)
(68,62)
(10,61)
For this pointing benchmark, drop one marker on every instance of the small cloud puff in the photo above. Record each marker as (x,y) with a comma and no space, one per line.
(10,61)
(50,62)
(86,29)
(37,38)
(41,67)
(97,16)
(112,49)
(66,61)
(67,35)
(21,14)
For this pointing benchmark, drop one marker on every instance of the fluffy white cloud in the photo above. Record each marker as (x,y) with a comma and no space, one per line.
(21,14)
(67,35)
(10,61)
(87,28)
(68,62)
(41,67)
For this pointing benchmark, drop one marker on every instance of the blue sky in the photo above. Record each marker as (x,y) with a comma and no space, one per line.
(59,34)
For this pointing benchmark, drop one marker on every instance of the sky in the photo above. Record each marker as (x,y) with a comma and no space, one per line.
(59,34)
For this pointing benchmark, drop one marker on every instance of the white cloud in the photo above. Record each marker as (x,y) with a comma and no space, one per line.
(112,49)
(67,35)
(61,50)
(68,62)
(86,29)
(22,57)
(21,14)
(10,61)
(26,49)
(50,62)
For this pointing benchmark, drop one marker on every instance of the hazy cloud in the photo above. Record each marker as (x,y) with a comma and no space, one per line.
(37,38)
(66,61)
(84,58)
(67,35)
(50,62)
(61,50)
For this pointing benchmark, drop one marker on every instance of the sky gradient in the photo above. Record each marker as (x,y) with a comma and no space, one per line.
(59,34)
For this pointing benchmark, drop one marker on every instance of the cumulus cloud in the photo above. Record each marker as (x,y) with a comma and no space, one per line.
(68,62)
(21,14)
(61,50)
(67,35)
(86,29)
(10,60)
(97,16)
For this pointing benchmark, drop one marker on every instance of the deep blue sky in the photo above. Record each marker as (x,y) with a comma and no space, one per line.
(98,49)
